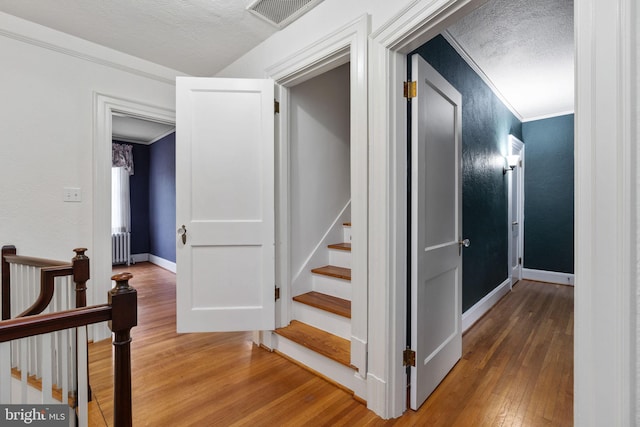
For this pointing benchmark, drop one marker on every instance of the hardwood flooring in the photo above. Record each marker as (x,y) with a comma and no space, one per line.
(516,370)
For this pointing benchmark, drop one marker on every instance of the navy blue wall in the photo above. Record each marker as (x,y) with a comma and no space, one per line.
(153,198)
(139,194)
(548,194)
(162,197)
(486,125)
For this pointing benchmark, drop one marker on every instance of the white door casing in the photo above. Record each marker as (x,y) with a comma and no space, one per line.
(436,230)
(515,223)
(225,201)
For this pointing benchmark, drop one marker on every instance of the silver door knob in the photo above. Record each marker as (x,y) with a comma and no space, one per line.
(464,243)
(182,232)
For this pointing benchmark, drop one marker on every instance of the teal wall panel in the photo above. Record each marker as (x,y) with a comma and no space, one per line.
(548,190)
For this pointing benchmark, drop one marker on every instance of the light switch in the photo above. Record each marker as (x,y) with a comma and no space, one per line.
(72,194)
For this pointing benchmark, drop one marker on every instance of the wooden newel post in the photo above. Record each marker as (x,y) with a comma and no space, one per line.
(124,309)
(6,281)
(80,276)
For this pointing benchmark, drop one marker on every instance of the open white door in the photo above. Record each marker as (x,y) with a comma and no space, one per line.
(436,224)
(516,209)
(225,204)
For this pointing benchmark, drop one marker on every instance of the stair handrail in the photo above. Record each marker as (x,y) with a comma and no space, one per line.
(121,312)
(50,269)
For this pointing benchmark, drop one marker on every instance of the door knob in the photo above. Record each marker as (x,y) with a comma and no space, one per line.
(462,243)
(514,223)
(182,232)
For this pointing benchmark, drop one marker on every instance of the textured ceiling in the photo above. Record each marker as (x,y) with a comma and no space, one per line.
(197,37)
(130,129)
(524,47)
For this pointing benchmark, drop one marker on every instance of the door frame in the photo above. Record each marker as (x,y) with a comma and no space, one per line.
(346,44)
(104,107)
(515,145)
(605,344)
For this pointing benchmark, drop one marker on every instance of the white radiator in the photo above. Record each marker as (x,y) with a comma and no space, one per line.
(121,248)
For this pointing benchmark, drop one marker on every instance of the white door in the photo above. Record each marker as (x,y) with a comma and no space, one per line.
(436,222)
(225,204)
(516,198)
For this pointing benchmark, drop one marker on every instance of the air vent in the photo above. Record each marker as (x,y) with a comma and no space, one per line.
(281,12)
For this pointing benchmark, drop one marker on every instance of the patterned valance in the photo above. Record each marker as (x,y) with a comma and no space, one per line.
(122,156)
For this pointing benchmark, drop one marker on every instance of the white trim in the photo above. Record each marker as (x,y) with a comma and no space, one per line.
(347,44)
(475,67)
(412,27)
(56,41)
(605,195)
(135,258)
(103,108)
(479,309)
(161,262)
(548,116)
(548,276)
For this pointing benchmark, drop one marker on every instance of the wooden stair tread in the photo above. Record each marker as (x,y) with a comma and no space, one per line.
(339,306)
(334,271)
(321,342)
(341,246)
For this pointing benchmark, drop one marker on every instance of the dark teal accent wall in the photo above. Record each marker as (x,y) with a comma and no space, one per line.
(486,125)
(548,194)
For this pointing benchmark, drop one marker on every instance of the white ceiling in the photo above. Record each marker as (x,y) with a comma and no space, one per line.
(131,129)
(524,47)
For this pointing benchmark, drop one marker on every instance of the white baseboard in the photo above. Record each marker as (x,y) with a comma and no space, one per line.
(548,276)
(139,258)
(478,310)
(161,262)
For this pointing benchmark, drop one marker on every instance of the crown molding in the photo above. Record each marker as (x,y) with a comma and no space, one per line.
(38,35)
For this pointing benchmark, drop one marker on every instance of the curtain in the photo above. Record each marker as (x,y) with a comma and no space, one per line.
(122,156)
(120,201)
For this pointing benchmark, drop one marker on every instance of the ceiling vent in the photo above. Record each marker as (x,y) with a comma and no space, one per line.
(281,12)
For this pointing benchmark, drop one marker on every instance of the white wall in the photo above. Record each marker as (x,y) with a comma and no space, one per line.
(48,81)
(319,159)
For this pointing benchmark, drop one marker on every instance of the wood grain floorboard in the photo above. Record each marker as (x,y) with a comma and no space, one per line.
(516,370)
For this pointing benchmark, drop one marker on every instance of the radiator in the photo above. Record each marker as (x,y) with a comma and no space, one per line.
(121,248)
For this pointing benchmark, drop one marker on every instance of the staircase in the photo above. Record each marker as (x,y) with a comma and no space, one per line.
(319,335)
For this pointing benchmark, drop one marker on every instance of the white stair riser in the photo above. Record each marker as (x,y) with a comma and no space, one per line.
(329,322)
(337,372)
(340,258)
(347,234)
(332,286)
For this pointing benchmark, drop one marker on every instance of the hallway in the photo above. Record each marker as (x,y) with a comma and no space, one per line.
(516,369)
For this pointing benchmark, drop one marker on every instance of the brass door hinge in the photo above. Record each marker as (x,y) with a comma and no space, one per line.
(408,357)
(276,107)
(277,294)
(410,90)
(520,260)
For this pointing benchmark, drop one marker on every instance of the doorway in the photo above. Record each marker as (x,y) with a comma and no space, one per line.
(152,188)
(101,266)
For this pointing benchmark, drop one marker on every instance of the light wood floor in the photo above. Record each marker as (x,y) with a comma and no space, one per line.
(516,370)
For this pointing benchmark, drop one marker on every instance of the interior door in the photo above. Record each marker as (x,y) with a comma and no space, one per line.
(515,210)
(225,251)
(436,221)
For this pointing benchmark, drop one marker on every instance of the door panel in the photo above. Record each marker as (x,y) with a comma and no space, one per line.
(225,200)
(436,268)
(516,217)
